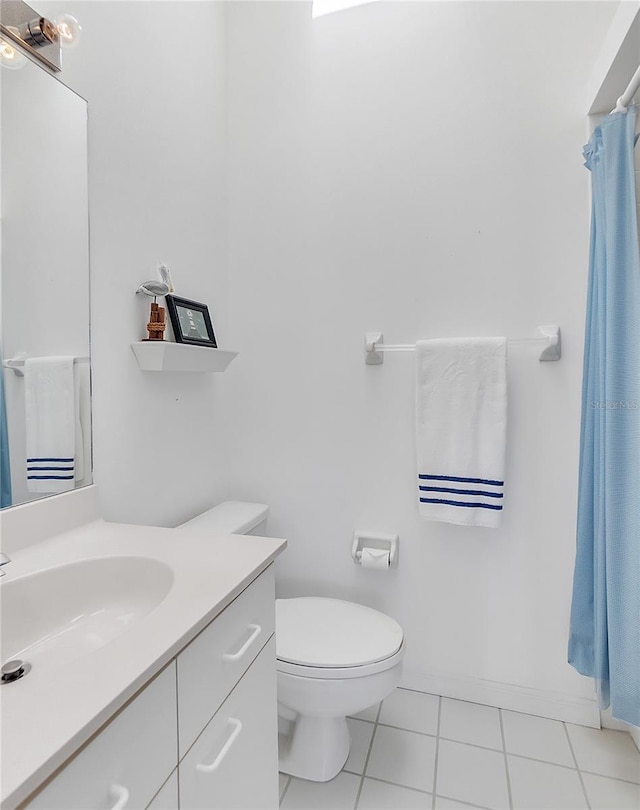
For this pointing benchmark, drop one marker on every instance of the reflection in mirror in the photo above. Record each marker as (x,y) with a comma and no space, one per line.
(44,288)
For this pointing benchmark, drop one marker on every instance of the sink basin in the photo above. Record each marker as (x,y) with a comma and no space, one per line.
(56,615)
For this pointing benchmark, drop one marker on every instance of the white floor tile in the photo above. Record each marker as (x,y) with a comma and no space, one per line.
(540,786)
(470,723)
(370,714)
(338,794)
(450,804)
(383,796)
(605,752)
(361,734)
(536,737)
(610,794)
(472,775)
(403,757)
(283,779)
(414,711)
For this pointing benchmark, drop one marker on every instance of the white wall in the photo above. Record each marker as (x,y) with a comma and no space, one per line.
(414,168)
(154,76)
(409,167)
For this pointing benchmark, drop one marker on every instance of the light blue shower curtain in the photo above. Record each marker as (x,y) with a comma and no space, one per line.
(604,640)
(5,470)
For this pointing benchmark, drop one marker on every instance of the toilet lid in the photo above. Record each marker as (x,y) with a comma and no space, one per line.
(317,632)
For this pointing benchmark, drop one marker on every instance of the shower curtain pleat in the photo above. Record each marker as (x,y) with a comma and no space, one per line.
(604,640)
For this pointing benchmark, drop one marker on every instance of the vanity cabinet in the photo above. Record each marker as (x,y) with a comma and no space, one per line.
(128,761)
(167,797)
(234,762)
(214,662)
(202,734)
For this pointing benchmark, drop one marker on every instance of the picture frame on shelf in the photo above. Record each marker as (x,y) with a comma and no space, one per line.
(191,322)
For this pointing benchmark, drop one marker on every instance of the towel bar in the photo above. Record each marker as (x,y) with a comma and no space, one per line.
(16,364)
(549,338)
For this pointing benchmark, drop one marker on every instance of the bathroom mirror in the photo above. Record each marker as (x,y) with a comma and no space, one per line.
(44,281)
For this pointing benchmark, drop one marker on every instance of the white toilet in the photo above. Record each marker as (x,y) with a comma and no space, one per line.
(334,659)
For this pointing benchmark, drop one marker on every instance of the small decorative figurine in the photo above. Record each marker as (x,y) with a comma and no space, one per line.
(157,317)
(157,322)
(165,275)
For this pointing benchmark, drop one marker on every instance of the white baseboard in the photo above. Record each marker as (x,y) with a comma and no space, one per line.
(608,721)
(555,705)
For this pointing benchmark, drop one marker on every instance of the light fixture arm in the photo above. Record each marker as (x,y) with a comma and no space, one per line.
(38,32)
(39,36)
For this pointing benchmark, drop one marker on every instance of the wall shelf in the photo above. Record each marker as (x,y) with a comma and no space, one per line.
(166,356)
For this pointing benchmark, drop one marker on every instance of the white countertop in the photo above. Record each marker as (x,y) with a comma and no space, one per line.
(46,717)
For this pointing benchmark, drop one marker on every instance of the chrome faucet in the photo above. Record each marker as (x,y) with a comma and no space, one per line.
(3,561)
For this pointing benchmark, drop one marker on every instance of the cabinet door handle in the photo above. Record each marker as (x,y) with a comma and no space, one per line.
(237,728)
(121,795)
(235,656)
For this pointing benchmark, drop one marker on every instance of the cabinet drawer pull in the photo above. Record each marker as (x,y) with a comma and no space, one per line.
(235,656)
(121,795)
(237,728)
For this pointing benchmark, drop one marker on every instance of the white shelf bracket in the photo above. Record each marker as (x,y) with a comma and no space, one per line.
(16,364)
(372,357)
(553,349)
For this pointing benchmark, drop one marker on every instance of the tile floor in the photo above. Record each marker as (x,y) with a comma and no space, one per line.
(422,751)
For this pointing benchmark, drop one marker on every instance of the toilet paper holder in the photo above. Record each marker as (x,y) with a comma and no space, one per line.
(380,542)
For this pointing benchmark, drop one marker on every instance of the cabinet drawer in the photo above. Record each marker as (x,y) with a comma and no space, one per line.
(167,798)
(212,664)
(234,762)
(127,762)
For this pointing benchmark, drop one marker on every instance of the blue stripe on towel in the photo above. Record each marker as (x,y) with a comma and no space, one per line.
(39,460)
(462,480)
(50,477)
(462,503)
(463,491)
(37,469)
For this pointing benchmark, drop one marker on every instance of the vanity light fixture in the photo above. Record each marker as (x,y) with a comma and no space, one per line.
(40,31)
(10,56)
(68,31)
(39,36)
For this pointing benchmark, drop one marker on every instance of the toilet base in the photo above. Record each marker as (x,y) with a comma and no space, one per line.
(316,748)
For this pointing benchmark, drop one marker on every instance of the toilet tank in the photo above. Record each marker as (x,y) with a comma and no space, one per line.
(232,517)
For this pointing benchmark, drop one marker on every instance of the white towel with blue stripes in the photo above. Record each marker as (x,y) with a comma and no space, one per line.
(50,423)
(461,420)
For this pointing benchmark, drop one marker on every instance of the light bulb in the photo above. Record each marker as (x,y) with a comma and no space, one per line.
(68,31)
(10,56)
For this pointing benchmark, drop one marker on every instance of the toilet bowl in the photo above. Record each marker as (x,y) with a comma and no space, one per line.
(334,659)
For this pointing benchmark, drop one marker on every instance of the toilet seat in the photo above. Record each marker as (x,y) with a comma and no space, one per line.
(331,673)
(318,637)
